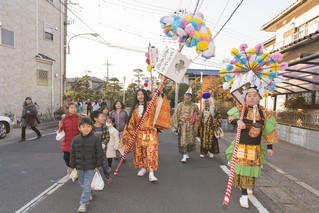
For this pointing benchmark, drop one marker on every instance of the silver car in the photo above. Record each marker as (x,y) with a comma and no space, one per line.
(5,126)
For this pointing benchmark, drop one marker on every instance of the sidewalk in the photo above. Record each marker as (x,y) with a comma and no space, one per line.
(290,179)
(15,133)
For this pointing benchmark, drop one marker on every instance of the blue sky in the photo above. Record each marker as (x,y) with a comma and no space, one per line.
(129,26)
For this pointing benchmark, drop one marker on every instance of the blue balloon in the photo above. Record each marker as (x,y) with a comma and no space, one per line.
(229,67)
(176,24)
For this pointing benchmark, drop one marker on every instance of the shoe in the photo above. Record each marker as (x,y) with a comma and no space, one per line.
(184,159)
(82,208)
(141,172)
(187,157)
(211,155)
(39,136)
(91,197)
(152,178)
(250,191)
(21,140)
(202,156)
(243,200)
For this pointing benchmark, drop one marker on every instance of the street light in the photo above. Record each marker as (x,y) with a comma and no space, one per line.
(68,43)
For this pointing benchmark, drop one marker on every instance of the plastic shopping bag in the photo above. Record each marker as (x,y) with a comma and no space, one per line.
(73,175)
(97,182)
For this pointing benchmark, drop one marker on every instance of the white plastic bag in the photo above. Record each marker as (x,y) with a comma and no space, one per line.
(97,182)
(60,135)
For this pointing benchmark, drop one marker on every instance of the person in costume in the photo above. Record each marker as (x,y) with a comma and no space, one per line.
(210,123)
(185,122)
(257,123)
(146,143)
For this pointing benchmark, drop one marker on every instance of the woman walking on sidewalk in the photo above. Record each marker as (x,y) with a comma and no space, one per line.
(29,118)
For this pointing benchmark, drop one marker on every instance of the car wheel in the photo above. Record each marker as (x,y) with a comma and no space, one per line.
(3,130)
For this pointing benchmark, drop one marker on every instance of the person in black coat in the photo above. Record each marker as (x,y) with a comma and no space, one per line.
(86,157)
(29,118)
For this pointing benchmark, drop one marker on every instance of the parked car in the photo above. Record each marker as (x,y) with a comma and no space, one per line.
(5,126)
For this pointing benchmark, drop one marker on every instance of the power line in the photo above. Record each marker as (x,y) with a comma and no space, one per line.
(229,18)
(221,15)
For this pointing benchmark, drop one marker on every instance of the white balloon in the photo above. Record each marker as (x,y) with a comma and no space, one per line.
(226,85)
(168,21)
(180,32)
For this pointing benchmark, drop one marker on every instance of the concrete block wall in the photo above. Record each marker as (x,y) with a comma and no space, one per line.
(309,139)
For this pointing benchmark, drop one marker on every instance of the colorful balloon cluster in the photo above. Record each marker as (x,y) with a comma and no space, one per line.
(146,84)
(149,66)
(190,30)
(263,64)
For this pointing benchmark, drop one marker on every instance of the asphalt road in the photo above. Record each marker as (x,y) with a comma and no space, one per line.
(30,168)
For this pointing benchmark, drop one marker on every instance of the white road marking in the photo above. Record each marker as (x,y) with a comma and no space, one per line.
(43,195)
(252,198)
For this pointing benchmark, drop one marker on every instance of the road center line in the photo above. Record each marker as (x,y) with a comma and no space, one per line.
(43,195)
(252,198)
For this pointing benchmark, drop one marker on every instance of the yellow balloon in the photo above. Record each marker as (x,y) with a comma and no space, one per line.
(197,20)
(251,51)
(149,68)
(265,56)
(274,67)
(198,51)
(238,66)
(202,45)
(265,75)
(253,64)
(188,18)
(231,82)
(222,72)
(196,34)
(234,51)
(168,27)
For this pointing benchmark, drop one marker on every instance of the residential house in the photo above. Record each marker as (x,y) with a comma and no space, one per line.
(31,54)
(297,38)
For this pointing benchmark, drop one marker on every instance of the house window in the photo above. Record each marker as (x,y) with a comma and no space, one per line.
(7,37)
(48,32)
(43,77)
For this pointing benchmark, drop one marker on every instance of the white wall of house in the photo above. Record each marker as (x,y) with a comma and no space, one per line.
(19,65)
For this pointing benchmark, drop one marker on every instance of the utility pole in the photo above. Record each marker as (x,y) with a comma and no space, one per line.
(107,64)
(124,90)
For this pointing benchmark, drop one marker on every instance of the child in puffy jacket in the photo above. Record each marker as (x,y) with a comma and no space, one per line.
(70,126)
(113,144)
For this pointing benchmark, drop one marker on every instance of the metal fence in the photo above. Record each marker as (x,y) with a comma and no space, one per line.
(298,119)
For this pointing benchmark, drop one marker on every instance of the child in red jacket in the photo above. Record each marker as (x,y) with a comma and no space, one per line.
(70,126)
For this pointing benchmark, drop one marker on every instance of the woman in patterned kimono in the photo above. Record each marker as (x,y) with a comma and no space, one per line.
(257,123)
(210,123)
(185,122)
(146,143)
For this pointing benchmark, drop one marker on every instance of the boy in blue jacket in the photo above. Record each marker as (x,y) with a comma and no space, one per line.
(86,154)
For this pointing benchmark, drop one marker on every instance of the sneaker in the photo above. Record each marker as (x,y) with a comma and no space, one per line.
(243,200)
(211,155)
(152,178)
(82,208)
(187,157)
(184,159)
(39,136)
(91,197)
(141,172)
(202,156)
(21,140)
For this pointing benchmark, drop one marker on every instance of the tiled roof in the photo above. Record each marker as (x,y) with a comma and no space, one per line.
(42,56)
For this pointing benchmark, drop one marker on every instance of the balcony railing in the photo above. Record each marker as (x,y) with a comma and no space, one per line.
(298,35)
(298,119)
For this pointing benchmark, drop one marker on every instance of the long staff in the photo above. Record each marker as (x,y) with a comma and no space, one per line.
(132,140)
(232,165)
